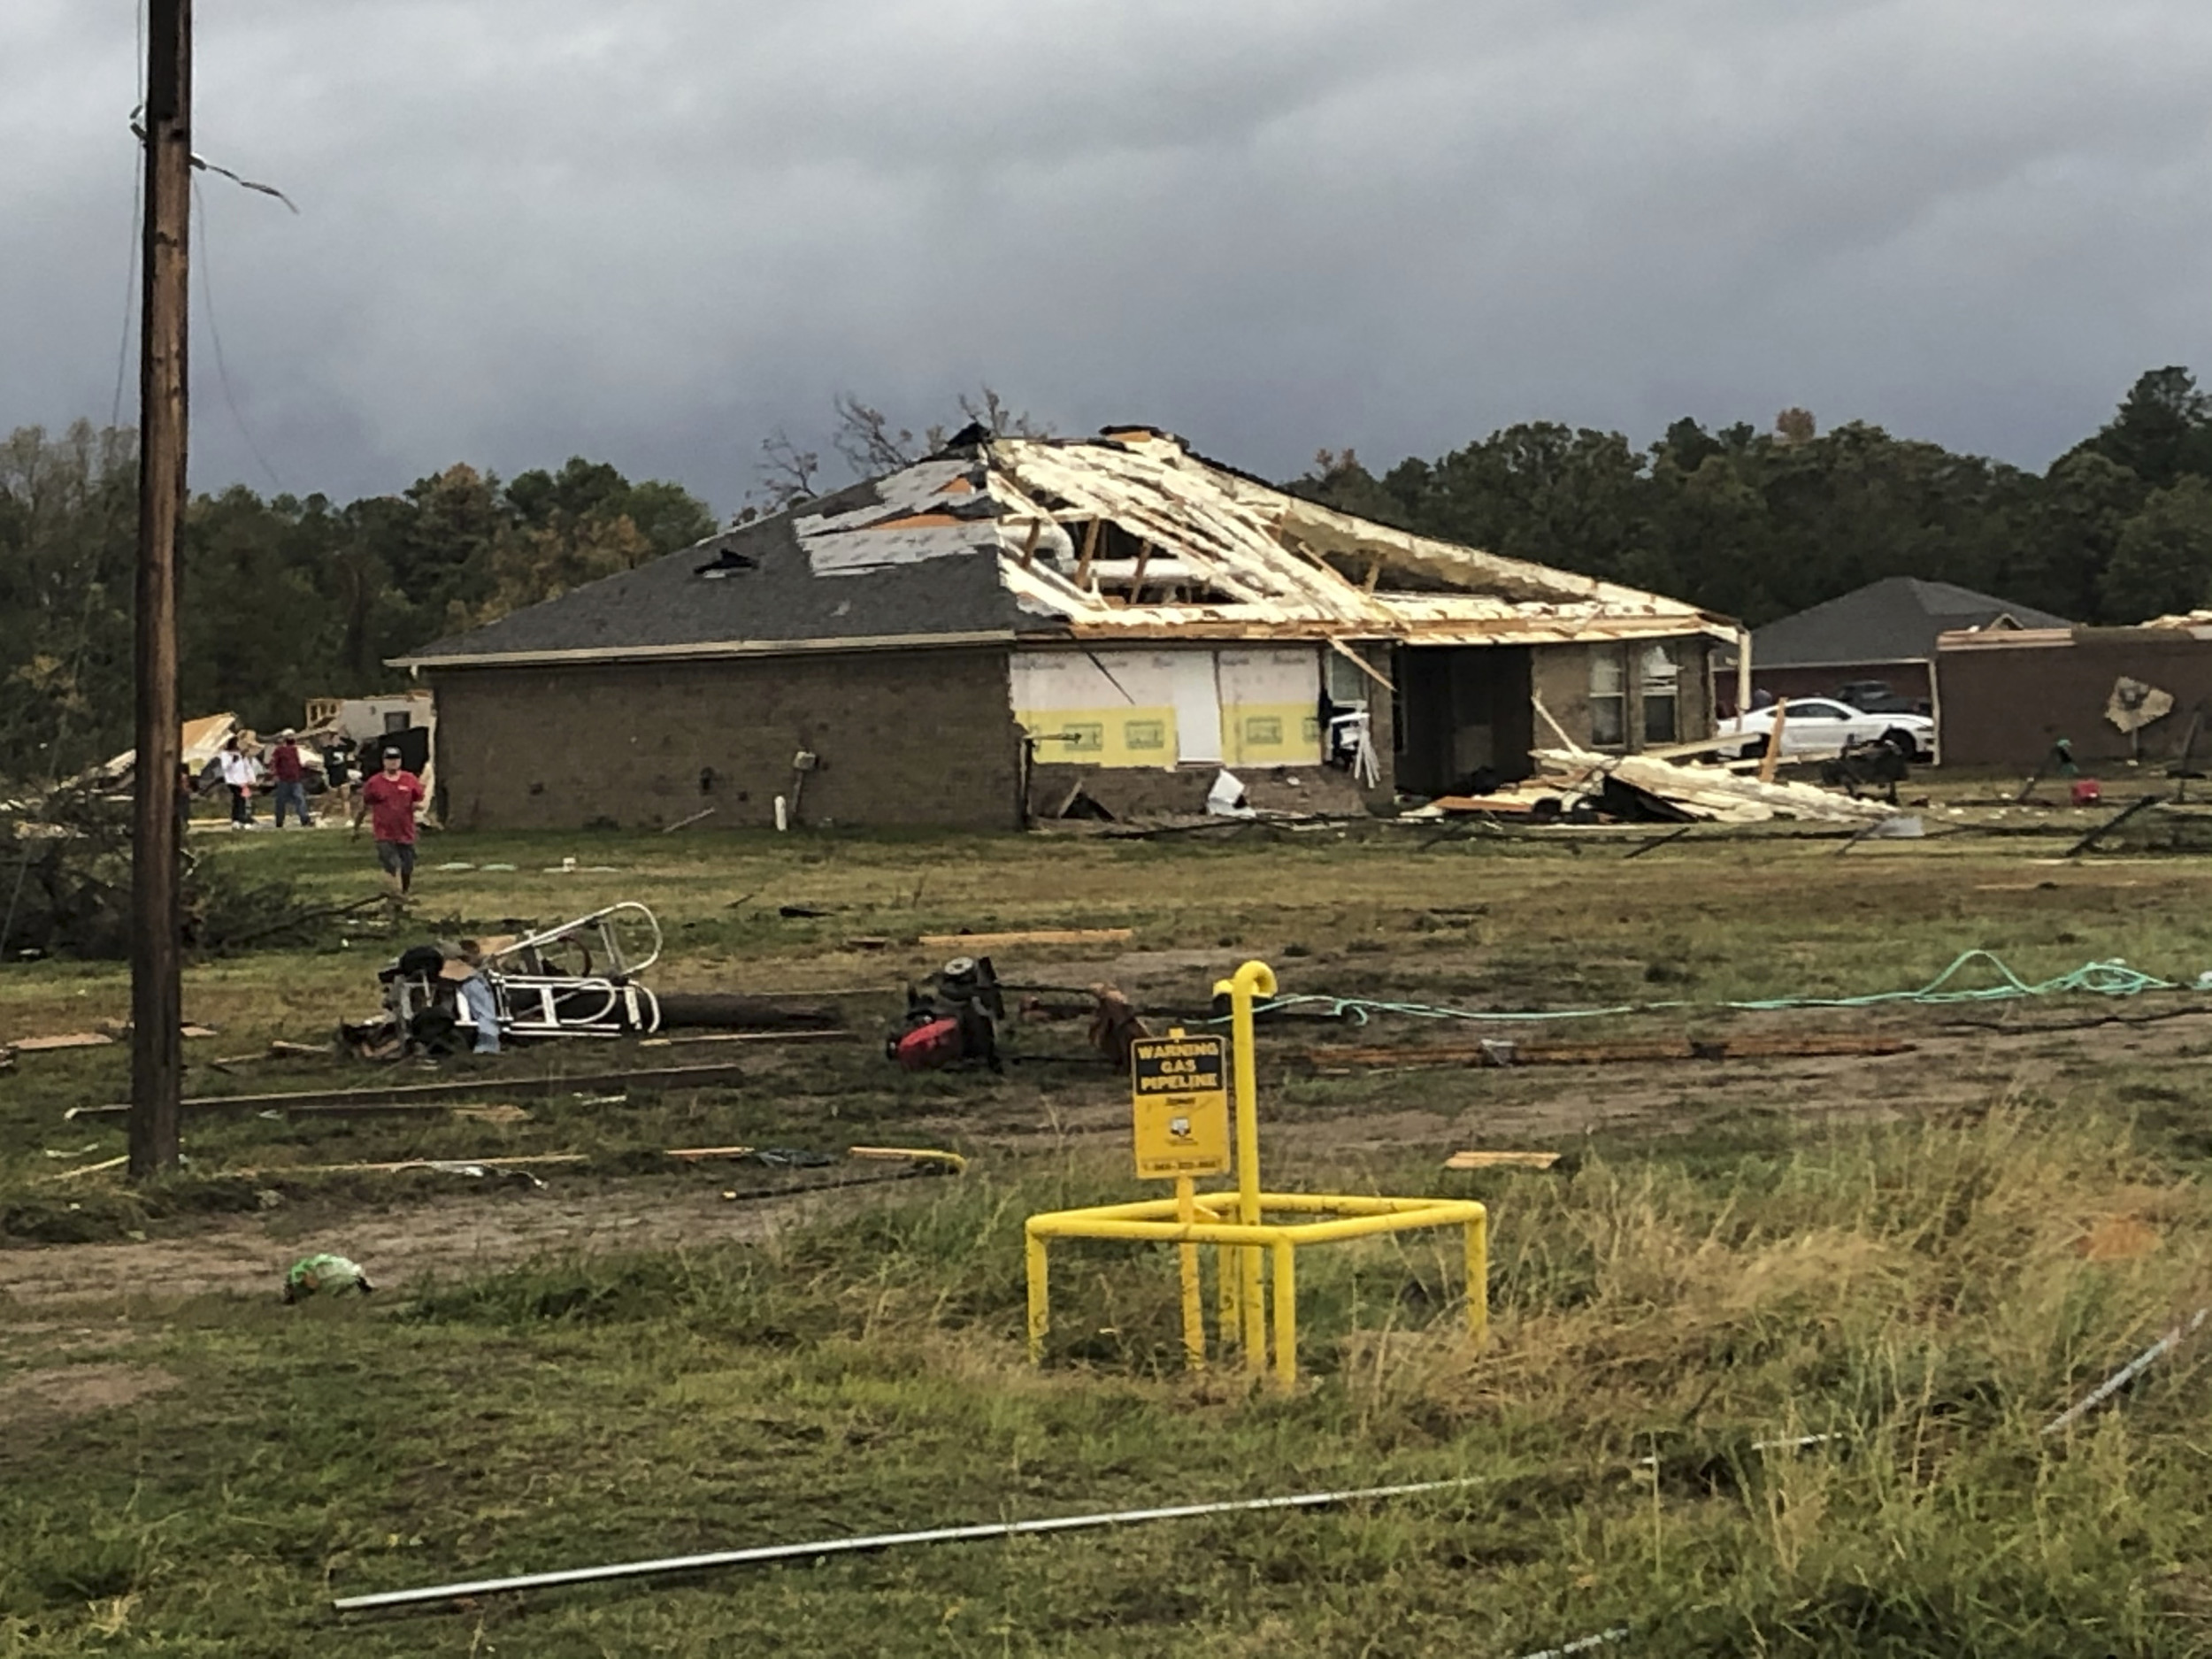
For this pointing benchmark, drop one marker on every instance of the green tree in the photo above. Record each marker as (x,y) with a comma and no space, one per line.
(2164,561)
(68,535)
(2069,535)
(2163,428)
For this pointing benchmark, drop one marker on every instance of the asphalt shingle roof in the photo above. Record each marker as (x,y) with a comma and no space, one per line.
(669,603)
(1894,620)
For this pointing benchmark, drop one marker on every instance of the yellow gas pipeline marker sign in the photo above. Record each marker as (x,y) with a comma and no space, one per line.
(1182,1130)
(1179,1087)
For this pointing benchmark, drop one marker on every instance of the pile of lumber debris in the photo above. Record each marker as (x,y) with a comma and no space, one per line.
(1581,786)
(1701,794)
(1577,785)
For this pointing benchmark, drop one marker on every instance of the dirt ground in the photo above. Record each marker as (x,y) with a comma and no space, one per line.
(444,1237)
(457,1233)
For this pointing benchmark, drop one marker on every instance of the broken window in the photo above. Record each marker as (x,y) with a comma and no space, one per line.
(1609,698)
(1661,683)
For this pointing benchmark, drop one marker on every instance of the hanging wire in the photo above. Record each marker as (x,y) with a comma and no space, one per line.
(215,336)
(130,265)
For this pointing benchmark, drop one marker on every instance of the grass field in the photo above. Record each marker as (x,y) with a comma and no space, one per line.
(1922,1259)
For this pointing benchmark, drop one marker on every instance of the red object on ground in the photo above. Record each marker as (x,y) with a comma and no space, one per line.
(926,1047)
(2086,792)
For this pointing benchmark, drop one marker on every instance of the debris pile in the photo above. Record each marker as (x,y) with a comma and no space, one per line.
(1580,787)
(577,980)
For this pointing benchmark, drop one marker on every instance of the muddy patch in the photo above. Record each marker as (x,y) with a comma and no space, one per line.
(57,1393)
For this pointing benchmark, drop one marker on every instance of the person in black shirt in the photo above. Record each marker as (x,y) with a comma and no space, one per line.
(338,776)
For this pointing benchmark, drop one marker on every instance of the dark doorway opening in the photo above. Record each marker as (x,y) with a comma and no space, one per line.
(1468,717)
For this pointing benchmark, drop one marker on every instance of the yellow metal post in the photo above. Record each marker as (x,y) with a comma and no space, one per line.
(1187,1254)
(1254,977)
(1040,1298)
(1172,1083)
(1232,1319)
(1479,1277)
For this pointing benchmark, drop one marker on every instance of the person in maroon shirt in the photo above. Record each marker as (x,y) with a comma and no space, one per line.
(291,779)
(389,800)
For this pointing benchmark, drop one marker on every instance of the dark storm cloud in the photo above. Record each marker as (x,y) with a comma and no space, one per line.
(655,232)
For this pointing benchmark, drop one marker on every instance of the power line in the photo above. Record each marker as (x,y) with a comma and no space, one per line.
(138,229)
(215,338)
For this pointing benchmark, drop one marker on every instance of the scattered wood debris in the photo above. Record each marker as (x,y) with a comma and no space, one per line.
(116,1032)
(92,1168)
(500,1112)
(338,1102)
(748,1036)
(442,1166)
(1501,1159)
(1573,784)
(1034,936)
(1704,792)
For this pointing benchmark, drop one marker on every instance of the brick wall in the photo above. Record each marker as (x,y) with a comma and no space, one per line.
(917,737)
(1560,675)
(2005,705)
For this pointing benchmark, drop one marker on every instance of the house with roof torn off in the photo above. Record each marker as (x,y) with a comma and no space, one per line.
(1009,624)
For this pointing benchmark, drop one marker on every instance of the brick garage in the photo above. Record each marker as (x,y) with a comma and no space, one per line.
(907,737)
(2008,698)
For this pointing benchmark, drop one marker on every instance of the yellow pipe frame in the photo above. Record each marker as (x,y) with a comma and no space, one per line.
(1236,1223)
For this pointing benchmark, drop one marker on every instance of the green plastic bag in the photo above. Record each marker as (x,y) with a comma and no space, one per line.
(324,1275)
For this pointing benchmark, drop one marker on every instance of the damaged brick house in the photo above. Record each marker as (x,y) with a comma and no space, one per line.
(950,644)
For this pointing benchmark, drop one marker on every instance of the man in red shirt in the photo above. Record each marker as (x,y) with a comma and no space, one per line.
(390,799)
(291,779)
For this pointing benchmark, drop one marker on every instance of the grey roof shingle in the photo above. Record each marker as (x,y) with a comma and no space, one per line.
(668,602)
(1894,620)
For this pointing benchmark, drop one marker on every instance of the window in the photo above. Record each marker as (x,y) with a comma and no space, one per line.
(1144,733)
(1661,683)
(1347,687)
(1608,725)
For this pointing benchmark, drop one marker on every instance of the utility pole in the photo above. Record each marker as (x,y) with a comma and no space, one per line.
(157,992)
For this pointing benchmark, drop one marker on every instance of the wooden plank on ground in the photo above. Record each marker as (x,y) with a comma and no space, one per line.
(338,1102)
(1501,1160)
(1032,936)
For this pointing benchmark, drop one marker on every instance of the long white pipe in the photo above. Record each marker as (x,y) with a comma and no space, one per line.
(881,1541)
(2127,1373)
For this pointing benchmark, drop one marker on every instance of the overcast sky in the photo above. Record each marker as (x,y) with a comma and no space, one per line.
(652,232)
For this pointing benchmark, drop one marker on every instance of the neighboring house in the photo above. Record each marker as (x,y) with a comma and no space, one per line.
(2113,694)
(1885,631)
(960,643)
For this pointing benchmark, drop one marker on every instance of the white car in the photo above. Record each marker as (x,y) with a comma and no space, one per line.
(1820,726)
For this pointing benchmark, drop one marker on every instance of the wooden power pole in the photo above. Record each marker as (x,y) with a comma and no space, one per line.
(157,992)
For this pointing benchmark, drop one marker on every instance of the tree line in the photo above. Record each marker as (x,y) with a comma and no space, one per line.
(286,597)
(281,598)
(1758,525)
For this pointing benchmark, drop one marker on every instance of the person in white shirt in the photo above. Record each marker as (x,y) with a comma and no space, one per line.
(238,774)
